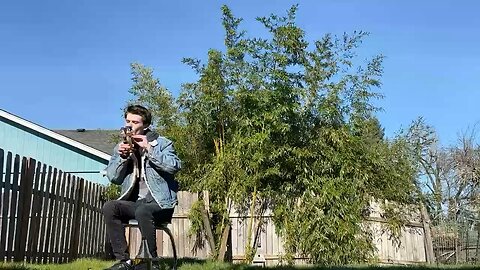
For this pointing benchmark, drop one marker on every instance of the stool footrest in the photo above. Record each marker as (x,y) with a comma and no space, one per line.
(160,226)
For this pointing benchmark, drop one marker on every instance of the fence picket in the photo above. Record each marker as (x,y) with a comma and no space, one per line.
(74,244)
(24,207)
(56,218)
(13,208)
(51,204)
(33,231)
(59,250)
(21,198)
(5,205)
(34,247)
(68,218)
(97,221)
(44,216)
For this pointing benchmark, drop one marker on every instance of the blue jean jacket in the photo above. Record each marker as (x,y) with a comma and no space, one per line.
(159,165)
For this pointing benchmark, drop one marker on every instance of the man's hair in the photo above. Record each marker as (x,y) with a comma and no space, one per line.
(140,110)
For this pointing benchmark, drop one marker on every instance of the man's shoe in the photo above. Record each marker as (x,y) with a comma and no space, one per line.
(143,266)
(121,266)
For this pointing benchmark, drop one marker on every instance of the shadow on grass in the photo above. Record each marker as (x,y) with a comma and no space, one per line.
(13,267)
(193,263)
(198,264)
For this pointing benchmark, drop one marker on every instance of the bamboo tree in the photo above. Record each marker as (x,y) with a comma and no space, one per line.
(282,123)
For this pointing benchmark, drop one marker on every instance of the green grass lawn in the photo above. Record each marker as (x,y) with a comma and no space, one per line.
(191,264)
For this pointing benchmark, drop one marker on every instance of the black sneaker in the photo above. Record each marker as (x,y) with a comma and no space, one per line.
(121,266)
(143,266)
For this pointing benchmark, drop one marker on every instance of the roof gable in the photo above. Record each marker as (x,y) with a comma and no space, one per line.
(100,139)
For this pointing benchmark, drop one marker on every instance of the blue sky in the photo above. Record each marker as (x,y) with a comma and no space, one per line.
(66,64)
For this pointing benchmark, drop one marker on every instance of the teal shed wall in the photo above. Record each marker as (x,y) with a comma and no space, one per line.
(30,143)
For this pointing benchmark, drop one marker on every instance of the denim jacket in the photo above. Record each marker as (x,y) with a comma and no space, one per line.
(159,165)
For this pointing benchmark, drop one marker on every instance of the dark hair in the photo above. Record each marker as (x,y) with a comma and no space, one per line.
(140,110)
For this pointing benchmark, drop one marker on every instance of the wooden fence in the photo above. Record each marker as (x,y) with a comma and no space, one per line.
(269,247)
(409,248)
(47,215)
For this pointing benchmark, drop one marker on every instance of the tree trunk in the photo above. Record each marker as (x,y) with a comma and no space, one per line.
(249,249)
(428,235)
(208,229)
(224,243)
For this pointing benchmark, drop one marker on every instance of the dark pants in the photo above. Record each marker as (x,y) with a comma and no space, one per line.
(118,213)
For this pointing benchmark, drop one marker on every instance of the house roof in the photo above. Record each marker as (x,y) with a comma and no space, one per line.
(56,136)
(100,139)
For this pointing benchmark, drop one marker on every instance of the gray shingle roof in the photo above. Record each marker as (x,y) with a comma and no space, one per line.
(100,139)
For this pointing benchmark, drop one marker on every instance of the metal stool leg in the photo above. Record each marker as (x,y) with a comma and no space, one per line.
(167,230)
(163,227)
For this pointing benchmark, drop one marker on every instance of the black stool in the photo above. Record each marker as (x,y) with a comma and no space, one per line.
(163,225)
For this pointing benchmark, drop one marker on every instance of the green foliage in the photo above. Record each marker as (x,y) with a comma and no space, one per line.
(280,122)
(111,193)
(396,220)
(196,224)
(149,91)
(115,138)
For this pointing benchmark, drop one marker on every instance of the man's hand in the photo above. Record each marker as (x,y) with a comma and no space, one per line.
(141,140)
(124,150)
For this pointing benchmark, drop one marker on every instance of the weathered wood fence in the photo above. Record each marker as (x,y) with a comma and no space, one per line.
(409,248)
(47,215)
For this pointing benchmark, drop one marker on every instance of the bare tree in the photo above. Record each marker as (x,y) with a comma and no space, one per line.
(448,178)
(434,165)
(462,190)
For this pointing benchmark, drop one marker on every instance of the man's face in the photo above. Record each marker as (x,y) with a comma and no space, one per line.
(135,121)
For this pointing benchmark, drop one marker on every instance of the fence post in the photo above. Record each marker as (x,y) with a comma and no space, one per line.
(24,200)
(77,211)
(467,248)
